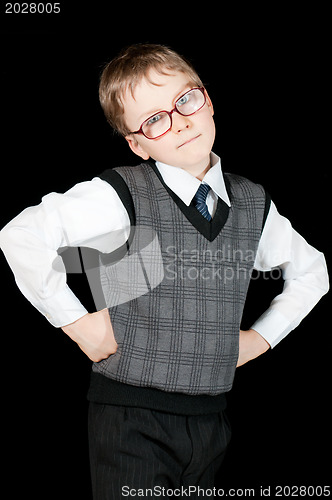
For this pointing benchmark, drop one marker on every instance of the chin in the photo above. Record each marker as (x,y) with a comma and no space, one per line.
(196,156)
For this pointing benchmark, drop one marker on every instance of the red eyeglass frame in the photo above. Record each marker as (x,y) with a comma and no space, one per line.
(169,113)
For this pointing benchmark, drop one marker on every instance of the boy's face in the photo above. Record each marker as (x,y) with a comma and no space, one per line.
(189,142)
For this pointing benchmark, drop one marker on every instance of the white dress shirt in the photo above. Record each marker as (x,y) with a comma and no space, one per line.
(91,214)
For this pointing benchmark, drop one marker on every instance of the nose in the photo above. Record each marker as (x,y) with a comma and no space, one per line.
(180,122)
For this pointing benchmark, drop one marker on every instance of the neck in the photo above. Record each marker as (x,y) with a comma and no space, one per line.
(202,174)
(200,170)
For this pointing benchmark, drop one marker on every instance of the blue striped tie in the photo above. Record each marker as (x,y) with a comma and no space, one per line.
(200,200)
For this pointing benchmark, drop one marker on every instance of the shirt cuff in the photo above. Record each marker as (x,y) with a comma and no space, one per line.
(62,309)
(272,326)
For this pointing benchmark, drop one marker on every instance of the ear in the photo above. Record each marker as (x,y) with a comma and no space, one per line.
(136,147)
(209,102)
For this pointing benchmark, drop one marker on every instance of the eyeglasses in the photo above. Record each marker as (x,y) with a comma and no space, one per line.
(160,123)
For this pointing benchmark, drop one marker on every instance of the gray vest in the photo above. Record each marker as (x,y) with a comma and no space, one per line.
(176,293)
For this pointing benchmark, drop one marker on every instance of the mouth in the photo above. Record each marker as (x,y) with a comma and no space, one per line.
(189,141)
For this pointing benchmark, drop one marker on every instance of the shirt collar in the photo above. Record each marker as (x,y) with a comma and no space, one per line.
(185,185)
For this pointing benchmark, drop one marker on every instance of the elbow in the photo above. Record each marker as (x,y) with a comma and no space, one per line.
(9,238)
(5,237)
(326,284)
(322,278)
(325,279)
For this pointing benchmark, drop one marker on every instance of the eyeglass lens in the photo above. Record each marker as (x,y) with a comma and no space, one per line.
(160,123)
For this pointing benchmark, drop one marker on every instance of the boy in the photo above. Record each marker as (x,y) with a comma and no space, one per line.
(178,240)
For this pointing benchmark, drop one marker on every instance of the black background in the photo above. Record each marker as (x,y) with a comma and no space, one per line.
(267,74)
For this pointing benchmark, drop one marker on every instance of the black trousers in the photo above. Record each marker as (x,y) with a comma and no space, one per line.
(136,451)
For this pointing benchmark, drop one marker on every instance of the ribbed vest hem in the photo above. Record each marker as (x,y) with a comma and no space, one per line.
(104,390)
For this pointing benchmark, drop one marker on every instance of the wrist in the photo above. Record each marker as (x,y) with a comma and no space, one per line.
(73,328)
(261,344)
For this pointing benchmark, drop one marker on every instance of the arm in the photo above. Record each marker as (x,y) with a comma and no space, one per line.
(90,214)
(306,281)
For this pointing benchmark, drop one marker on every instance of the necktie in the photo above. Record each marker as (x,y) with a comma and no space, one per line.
(200,200)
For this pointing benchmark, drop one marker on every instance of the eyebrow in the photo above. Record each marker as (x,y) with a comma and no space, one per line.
(147,114)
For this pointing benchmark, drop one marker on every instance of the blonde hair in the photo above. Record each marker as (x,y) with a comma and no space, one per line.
(128,69)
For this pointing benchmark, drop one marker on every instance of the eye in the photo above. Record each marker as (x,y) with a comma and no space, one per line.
(183,100)
(154,119)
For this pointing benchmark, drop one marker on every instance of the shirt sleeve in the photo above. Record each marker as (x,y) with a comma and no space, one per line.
(303,269)
(90,214)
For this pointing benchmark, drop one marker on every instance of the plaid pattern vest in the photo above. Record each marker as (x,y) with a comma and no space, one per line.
(177,291)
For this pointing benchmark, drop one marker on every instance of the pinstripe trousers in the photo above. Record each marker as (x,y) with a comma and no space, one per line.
(140,449)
